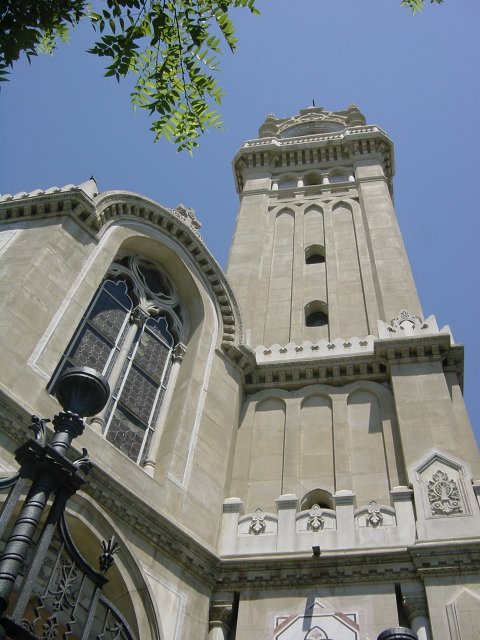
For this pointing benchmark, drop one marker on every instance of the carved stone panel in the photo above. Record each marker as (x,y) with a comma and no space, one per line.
(442,484)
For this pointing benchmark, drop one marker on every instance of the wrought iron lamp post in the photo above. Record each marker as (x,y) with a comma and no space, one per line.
(45,467)
(398,633)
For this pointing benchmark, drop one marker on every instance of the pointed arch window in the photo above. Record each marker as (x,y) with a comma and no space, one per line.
(132,332)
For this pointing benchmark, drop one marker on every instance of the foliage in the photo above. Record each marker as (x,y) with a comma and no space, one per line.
(417,5)
(171,46)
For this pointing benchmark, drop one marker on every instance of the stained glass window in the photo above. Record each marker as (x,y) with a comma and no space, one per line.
(128,333)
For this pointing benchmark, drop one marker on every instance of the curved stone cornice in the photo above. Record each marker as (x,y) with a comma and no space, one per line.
(93,214)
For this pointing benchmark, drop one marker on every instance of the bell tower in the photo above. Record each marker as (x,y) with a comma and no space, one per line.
(317,251)
(355,478)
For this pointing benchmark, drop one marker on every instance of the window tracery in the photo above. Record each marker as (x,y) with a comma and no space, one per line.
(129,333)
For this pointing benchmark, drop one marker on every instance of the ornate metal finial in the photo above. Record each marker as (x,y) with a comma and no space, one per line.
(84,463)
(38,427)
(110,548)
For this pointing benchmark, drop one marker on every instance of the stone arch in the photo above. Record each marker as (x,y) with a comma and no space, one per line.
(259,456)
(279,302)
(322,497)
(347,302)
(313,226)
(370,477)
(316,459)
(312,178)
(288,181)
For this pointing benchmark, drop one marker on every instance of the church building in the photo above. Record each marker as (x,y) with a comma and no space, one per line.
(285,453)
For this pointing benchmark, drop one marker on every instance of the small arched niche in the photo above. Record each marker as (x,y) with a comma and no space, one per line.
(316,314)
(315,254)
(287,182)
(322,497)
(312,178)
(338,178)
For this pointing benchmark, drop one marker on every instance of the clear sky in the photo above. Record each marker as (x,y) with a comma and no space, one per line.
(416,77)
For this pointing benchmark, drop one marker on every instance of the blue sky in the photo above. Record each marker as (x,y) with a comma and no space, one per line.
(416,77)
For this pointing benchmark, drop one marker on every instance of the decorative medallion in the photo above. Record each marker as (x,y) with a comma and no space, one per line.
(374,516)
(444,495)
(315,520)
(258,524)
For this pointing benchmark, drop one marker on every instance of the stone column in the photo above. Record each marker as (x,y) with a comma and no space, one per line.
(220,618)
(287,509)
(232,509)
(415,605)
(178,355)
(344,506)
(402,498)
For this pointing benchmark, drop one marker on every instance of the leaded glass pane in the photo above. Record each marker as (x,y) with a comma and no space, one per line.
(102,328)
(90,350)
(108,313)
(138,394)
(152,355)
(126,433)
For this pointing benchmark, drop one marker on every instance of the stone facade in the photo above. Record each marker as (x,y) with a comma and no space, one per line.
(303,465)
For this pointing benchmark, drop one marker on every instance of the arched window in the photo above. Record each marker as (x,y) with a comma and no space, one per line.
(314,254)
(316,496)
(337,178)
(312,178)
(129,333)
(288,182)
(316,314)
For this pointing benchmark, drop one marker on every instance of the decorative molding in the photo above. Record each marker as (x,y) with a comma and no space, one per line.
(406,324)
(314,350)
(333,370)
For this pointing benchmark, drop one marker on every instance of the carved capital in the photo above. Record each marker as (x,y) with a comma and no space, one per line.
(138,317)
(415,606)
(179,352)
(221,615)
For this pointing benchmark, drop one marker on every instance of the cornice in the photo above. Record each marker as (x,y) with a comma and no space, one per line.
(341,362)
(351,144)
(93,215)
(295,374)
(455,557)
